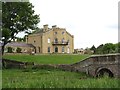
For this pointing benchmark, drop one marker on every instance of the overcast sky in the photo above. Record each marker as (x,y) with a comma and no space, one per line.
(92,22)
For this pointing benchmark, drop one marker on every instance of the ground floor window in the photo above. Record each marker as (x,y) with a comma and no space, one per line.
(68,50)
(56,49)
(39,49)
(48,49)
(63,49)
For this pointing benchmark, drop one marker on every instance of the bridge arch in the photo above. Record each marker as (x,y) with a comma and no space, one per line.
(104,71)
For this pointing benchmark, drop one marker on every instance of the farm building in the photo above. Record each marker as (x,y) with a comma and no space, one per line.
(19,47)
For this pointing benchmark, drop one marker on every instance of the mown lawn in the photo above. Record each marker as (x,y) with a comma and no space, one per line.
(47,59)
(14,78)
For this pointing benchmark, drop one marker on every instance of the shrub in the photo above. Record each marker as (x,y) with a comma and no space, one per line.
(9,49)
(18,50)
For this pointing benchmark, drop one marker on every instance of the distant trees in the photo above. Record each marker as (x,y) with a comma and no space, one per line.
(93,49)
(18,39)
(106,48)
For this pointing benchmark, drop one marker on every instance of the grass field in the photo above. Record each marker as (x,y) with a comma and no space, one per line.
(47,59)
(54,79)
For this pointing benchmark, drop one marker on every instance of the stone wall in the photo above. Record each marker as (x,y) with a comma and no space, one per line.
(94,65)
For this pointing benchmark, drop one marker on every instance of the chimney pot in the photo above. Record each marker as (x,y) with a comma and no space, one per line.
(54,26)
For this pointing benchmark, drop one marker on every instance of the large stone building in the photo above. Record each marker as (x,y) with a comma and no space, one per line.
(51,40)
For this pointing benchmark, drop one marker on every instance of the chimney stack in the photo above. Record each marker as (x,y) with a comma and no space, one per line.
(54,26)
(45,27)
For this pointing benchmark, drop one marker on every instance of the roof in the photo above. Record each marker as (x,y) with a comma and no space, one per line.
(19,44)
(41,30)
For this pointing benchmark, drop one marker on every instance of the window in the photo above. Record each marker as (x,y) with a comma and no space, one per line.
(48,40)
(56,49)
(39,49)
(62,49)
(48,49)
(68,42)
(68,50)
(55,33)
(56,40)
(34,41)
(63,40)
(63,32)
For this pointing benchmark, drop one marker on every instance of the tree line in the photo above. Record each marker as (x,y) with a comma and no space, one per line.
(106,48)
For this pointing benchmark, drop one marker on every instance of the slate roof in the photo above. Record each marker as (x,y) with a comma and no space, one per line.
(19,44)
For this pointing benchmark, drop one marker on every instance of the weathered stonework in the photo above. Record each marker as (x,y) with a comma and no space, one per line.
(95,65)
(51,40)
(99,65)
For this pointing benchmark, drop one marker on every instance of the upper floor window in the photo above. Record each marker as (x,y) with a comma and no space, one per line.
(68,42)
(63,40)
(48,40)
(56,40)
(34,41)
(63,32)
(55,33)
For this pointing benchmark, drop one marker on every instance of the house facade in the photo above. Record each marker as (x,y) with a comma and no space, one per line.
(51,40)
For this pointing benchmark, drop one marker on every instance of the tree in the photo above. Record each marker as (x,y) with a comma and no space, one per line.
(118,47)
(18,39)
(93,48)
(99,49)
(108,48)
(17,17)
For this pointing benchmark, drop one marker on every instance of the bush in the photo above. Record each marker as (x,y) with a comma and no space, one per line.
(18,50)
(9,50)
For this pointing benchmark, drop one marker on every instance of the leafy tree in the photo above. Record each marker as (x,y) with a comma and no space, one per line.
(118,46)
(20,39)
(108,48)
(17,17)
(99,49)
(93,48)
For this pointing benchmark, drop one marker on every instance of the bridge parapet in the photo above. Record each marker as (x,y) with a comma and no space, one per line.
(109,63)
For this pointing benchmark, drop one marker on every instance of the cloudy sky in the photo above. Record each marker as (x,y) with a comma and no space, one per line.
(92,22)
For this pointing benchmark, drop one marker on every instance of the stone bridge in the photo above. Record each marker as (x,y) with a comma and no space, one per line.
(95,66)
(99,65)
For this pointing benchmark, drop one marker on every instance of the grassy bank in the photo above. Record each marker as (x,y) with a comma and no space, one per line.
(47,59)
(54,79)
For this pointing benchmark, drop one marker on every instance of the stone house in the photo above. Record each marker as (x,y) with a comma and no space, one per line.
(25,48)
(51,40)
(79,51)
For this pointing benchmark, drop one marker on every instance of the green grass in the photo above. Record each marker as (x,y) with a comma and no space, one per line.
(52,78)
(47,59)
(13,78)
